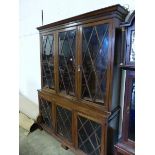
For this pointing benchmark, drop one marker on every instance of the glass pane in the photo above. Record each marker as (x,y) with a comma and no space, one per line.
(48,61)
(131,133)
(64,122)
(89,136)
(132,52)
(67,62)
(46,108)
(94,62)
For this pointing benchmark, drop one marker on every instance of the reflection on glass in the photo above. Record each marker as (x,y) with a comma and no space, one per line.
(67,62)
(131,133)
(94,62)
(132,52)
(89,136)
(48,61)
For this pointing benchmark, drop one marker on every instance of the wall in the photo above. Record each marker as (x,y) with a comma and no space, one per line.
(30,18)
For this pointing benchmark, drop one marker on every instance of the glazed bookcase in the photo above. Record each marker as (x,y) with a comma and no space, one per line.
(80,80)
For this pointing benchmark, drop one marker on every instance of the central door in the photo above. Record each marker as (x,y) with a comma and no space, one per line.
(67,61)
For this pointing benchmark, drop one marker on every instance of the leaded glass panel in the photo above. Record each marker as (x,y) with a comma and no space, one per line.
(89,136)
(95,43)
(64,122)
(67,42)
(46,112)
(47,61)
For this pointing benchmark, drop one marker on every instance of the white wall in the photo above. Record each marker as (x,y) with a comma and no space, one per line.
(30,18)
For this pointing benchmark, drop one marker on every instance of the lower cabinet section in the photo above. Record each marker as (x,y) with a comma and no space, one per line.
(89,136)
(83,130)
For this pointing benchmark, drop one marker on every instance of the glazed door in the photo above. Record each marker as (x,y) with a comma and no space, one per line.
(90,137)
(46,112)
(67,61)
(47,61)
(64,123)
(95,47)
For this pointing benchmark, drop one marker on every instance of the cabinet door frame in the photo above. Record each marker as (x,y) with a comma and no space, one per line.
(46,98)
(109,64)
(101,121)
(54,55)
(57,59)
(41,51)
(71,143)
